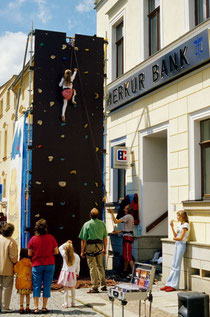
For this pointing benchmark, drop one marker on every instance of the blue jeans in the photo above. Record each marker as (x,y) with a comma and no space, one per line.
(174,276)
(42,274)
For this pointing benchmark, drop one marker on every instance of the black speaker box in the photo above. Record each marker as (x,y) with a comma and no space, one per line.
(193,304)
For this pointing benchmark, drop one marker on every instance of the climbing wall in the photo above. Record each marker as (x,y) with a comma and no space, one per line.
(67,157)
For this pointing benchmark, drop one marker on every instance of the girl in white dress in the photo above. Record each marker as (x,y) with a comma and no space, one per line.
(69,272)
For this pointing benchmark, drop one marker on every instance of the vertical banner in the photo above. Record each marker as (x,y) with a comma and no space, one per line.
(15,189)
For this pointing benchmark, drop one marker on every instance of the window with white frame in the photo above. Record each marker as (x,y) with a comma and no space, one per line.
(202,8)
(119,49)
(154,25)
(199,154)
(118,177)
(205,157)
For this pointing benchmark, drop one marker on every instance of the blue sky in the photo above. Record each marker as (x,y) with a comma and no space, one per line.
(16,17)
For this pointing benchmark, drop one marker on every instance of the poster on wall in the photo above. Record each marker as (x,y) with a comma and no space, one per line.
(15,184)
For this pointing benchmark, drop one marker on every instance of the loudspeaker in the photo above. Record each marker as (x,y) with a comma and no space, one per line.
(193,304)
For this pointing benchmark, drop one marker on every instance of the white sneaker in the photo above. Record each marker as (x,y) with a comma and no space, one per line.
(7,310)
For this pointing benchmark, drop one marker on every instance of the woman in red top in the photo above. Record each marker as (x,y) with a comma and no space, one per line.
(42,248)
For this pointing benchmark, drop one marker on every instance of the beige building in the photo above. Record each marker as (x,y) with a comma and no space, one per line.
(8,102)
(158,105)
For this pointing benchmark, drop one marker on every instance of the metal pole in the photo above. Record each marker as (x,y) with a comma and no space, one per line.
(27,190)
(105,112)
(113,308)
(139,308)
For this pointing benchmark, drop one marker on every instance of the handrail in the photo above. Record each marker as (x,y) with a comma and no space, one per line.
(157,221)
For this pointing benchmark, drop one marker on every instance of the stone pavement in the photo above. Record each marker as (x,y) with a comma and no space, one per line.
(98,305)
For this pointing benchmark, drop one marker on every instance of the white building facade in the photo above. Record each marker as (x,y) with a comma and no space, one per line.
(158,105)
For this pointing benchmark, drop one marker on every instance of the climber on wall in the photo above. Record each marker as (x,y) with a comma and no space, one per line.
(67,90)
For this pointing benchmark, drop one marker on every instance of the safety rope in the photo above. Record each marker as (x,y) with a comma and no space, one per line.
(88,119)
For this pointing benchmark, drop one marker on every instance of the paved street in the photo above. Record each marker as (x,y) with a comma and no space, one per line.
(96,305)
(55,306)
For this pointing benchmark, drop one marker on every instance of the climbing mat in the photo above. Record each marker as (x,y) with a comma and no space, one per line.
(67,157)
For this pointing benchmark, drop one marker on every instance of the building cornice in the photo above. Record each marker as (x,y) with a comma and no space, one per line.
(99,3)
(203,26)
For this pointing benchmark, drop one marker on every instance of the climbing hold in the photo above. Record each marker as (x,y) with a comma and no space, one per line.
(86,136)
(64,47)
(38,183)
(62,136)
(85,184)
(91,192)
(63,124)
(92,114)
(96,184)
(96,95)
(61,228)
(62,158)
(73,172)
(86,125)
(62,183)
(52,103)
(49,204)
(43,191)
(97,149)
(39,90)
(50,158)
(73,215)
(40,122)
(87,49)
(62,203)
(86,72)
(39,146)
(52,56)
(96,203)
(76,48)
(64,58)
(37,215)
(45,110)
(41,44)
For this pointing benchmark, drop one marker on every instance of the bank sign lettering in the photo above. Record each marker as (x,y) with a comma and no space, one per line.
(169,67)
(121,157)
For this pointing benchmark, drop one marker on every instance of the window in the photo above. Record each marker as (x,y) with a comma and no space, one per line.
(8,100)
(121,183)
(119,50)
(5,143)
(117,176)
(154,26)
(1,108)
(201,10)
(4,187)
(205,157)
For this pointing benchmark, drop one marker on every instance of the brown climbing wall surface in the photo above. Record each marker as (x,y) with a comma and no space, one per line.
(67,157)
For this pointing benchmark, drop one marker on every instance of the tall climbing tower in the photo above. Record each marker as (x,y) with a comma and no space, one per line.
(67,157)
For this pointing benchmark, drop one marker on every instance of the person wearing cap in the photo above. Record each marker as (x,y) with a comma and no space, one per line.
(93,237)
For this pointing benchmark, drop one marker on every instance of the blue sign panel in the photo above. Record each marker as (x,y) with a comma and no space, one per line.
(174,64)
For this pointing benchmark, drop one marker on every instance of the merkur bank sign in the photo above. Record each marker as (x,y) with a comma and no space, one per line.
(174,64)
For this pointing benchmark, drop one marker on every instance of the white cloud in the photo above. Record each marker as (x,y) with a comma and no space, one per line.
(12,49)
(15,4)
(85,6)
(43,12)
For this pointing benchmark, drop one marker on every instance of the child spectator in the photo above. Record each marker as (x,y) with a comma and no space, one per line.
(23,268)
(69,272)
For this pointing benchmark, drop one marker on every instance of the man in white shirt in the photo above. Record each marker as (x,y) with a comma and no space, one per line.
(128,228)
